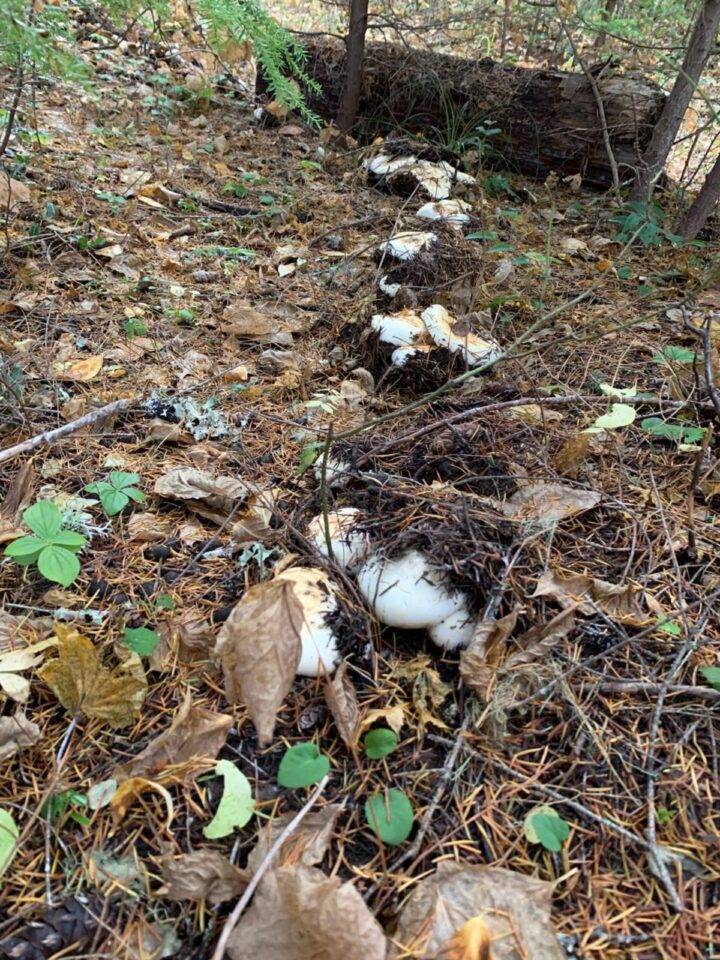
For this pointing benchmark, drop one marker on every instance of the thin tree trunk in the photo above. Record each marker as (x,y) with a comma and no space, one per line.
(608,13)
(701,42)
(703,204)
(505,27)
(348,109)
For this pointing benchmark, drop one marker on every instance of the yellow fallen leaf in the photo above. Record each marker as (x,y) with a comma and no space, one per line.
(394,717)
(79,371)
(85,687)
(131,790)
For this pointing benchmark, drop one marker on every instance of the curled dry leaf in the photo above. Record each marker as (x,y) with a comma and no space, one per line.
(307,845)
(214,497)
(202,875)
(570,590)
(341,698)
(298,913)
(131,790)
(515,908)
(259,648)
(18,496)
(85,687)
(16,734)
(79,371)
(549,502)
(195,734)
(480,661)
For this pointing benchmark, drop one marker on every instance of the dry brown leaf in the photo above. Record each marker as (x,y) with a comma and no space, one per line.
(195,733)
(12,194)
(130,792)
(17,733)
(307,845)
(79,371)
(15,662)
(473,941)
(515,908)
(210,496)
(539,640)
(298,913)
(19,493)
(572,589)
(202,875)
(84,686)
(572,453)
(480,661)
(259,648)
(549,502)
(254,524)
(147,528)
(243,320)
(18,632)
(341,698)
(393,716)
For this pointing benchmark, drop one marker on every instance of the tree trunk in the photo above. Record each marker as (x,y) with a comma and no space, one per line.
(701,42)
(548,119)
(607,16)
(350,101)
(703,205)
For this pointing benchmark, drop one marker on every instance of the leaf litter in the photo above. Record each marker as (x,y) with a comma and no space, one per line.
(565,548)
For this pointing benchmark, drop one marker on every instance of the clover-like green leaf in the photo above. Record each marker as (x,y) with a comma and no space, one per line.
(69,540)
(302,765)
(44,519)
(390,816)
(544,825)
(236,806)
(380,742)
(58,564)
(25,550)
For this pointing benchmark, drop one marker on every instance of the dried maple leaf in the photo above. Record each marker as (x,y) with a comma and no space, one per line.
(194,733)
(259,647)
(85,687)
(298,913)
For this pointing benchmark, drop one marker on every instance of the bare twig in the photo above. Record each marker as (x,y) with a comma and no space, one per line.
(50,436)
(232,920)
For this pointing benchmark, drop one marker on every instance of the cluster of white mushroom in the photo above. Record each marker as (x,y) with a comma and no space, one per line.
(412,334)
(407,591)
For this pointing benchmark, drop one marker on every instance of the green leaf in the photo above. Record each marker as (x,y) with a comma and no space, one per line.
(302,765)
(9,835)
(544,825)
(712,675)
(44,519)
(141,640)
(668,626)
(659,428)
(390,816)
(165,602)
(624,273)
(25,550)
(308,456)
(69,540)
(620,415)
(137,495)
(237,805)
(622,393)
(482,235)
(114,501)
(58,564)
(120,479)
(100,487)
(379,743)
(674,355)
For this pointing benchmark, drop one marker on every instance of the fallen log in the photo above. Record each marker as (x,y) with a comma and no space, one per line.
(549,120)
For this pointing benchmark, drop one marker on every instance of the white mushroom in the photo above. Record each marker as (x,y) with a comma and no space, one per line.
(406,246)
(389,289)
(398,329)
(454,631)
(316,594)
(452,211)
(438,323)
(401,355)
(408,591)
(349,546)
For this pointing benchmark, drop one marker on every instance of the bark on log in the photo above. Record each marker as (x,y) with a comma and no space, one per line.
(549,119)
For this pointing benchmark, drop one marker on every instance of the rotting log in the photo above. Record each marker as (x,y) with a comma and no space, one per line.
(548,119)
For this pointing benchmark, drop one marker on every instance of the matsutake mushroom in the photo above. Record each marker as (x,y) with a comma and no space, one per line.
(349,546)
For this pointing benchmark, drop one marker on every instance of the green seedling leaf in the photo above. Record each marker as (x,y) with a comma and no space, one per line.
(544,825)
(674,354)
(302,765)
(237,805)
(668,626)
(118,492)
(141,640)
(58,565)
(9,835)
(390,816)
(44,519)
(379,743)
(712,675)
(622,393)
(165,602)
(620,415)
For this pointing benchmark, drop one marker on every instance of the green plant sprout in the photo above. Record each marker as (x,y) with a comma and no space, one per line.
(117,492)
(50,547)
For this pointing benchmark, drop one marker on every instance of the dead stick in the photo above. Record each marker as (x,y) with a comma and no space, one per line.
(644,686)
(50,436)
(232,920)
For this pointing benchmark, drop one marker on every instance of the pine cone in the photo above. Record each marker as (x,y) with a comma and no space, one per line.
(73,923)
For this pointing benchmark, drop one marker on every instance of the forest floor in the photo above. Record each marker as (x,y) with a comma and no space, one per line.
(166,249)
